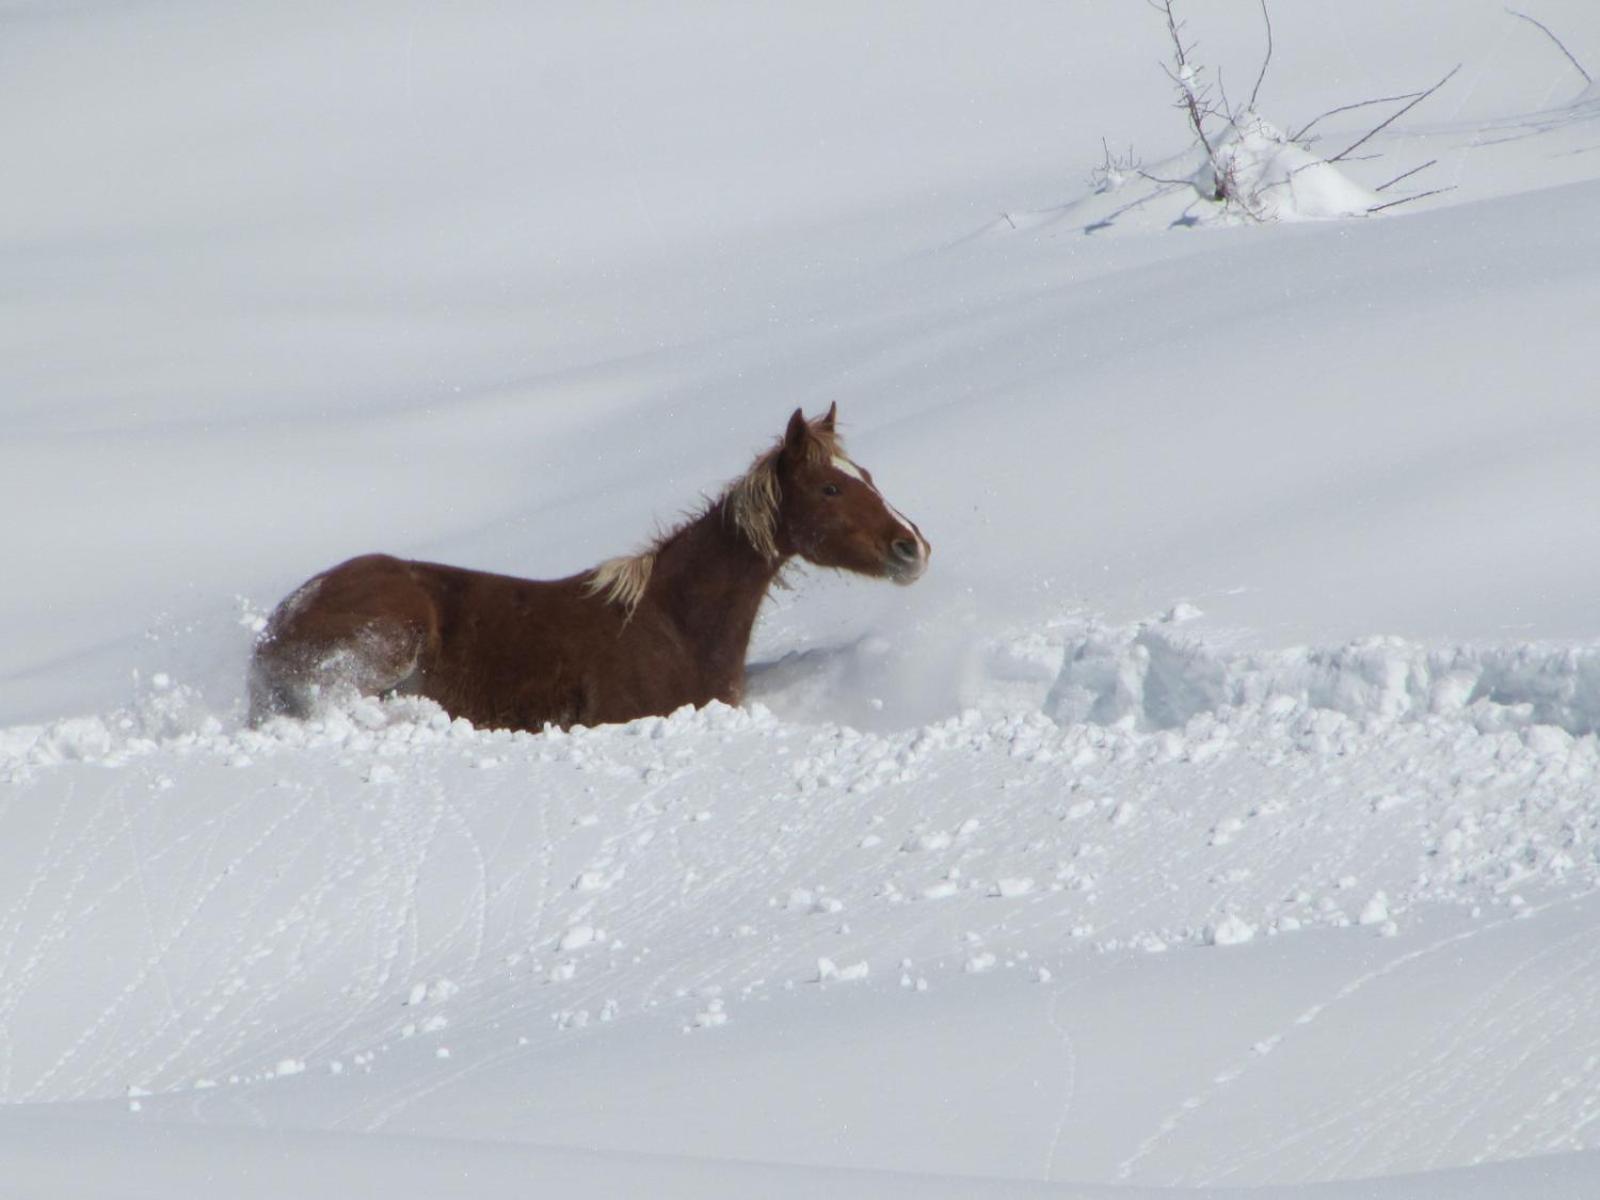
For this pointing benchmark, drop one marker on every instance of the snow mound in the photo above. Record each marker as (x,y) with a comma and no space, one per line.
(1274,179)
(1159,679)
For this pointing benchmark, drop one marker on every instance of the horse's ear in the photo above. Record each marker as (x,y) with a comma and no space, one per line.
(796,436)
(826,424)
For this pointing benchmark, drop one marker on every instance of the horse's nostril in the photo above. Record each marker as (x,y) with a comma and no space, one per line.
(905,549)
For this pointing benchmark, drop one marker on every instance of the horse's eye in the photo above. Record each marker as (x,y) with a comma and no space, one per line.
(830,489)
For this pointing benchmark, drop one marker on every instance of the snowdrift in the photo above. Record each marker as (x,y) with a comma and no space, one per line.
(1221,812)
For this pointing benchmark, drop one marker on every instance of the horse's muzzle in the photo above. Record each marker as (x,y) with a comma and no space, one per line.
(907,560)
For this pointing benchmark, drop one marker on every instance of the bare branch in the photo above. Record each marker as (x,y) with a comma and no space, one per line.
(1215,123)
(1183,78)
(1113,168)
(1143,174)
(1409,199)
(1393,117)
(1587,78)
(1407,175)
(1300,134)
(1288,180)
(1256,91)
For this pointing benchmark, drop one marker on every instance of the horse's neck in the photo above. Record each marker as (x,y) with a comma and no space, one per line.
(710,582)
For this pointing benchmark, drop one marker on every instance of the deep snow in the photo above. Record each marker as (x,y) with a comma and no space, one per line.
(1222,809)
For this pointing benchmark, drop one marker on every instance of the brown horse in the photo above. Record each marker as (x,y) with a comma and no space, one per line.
(632,637)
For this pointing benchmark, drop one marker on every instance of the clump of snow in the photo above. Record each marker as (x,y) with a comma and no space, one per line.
(1232,930)
(713,1015)
(806,900)
(1163,680)
(930,839)
(827,969)
(576,938)
(436,991)
(187,900)
(83,739)
(1274,179)
(1010,888)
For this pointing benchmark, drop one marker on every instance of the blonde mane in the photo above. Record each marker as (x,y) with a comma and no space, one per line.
(751,502)
(622,580)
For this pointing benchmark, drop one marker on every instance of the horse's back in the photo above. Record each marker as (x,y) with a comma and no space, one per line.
(493,648)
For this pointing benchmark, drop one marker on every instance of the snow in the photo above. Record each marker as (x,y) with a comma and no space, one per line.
(1230,931)
(1279,180)
(1221,811)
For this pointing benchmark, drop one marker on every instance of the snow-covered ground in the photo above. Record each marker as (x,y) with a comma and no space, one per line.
(1222,810)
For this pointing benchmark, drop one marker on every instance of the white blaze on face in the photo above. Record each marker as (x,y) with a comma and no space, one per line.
(844,465)
(841,463)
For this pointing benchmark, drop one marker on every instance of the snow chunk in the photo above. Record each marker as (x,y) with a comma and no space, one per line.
(1230,931)
(1009,888)
(827,969)
(438,991)
(597,878)
(936,839)
(576,938)
(712,1016)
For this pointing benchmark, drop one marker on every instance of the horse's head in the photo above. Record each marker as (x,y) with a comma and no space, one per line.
(831,513)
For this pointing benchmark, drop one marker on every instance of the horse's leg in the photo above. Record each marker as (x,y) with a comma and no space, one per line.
(359,629)
(301,682)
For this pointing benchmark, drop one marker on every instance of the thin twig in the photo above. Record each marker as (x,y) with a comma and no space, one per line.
(1186,86)
(1587,78)
(1393,117)
(1344,108)
(1407,175)
(1255,91)
(1143,174)
(1193,105)
(1409,199)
